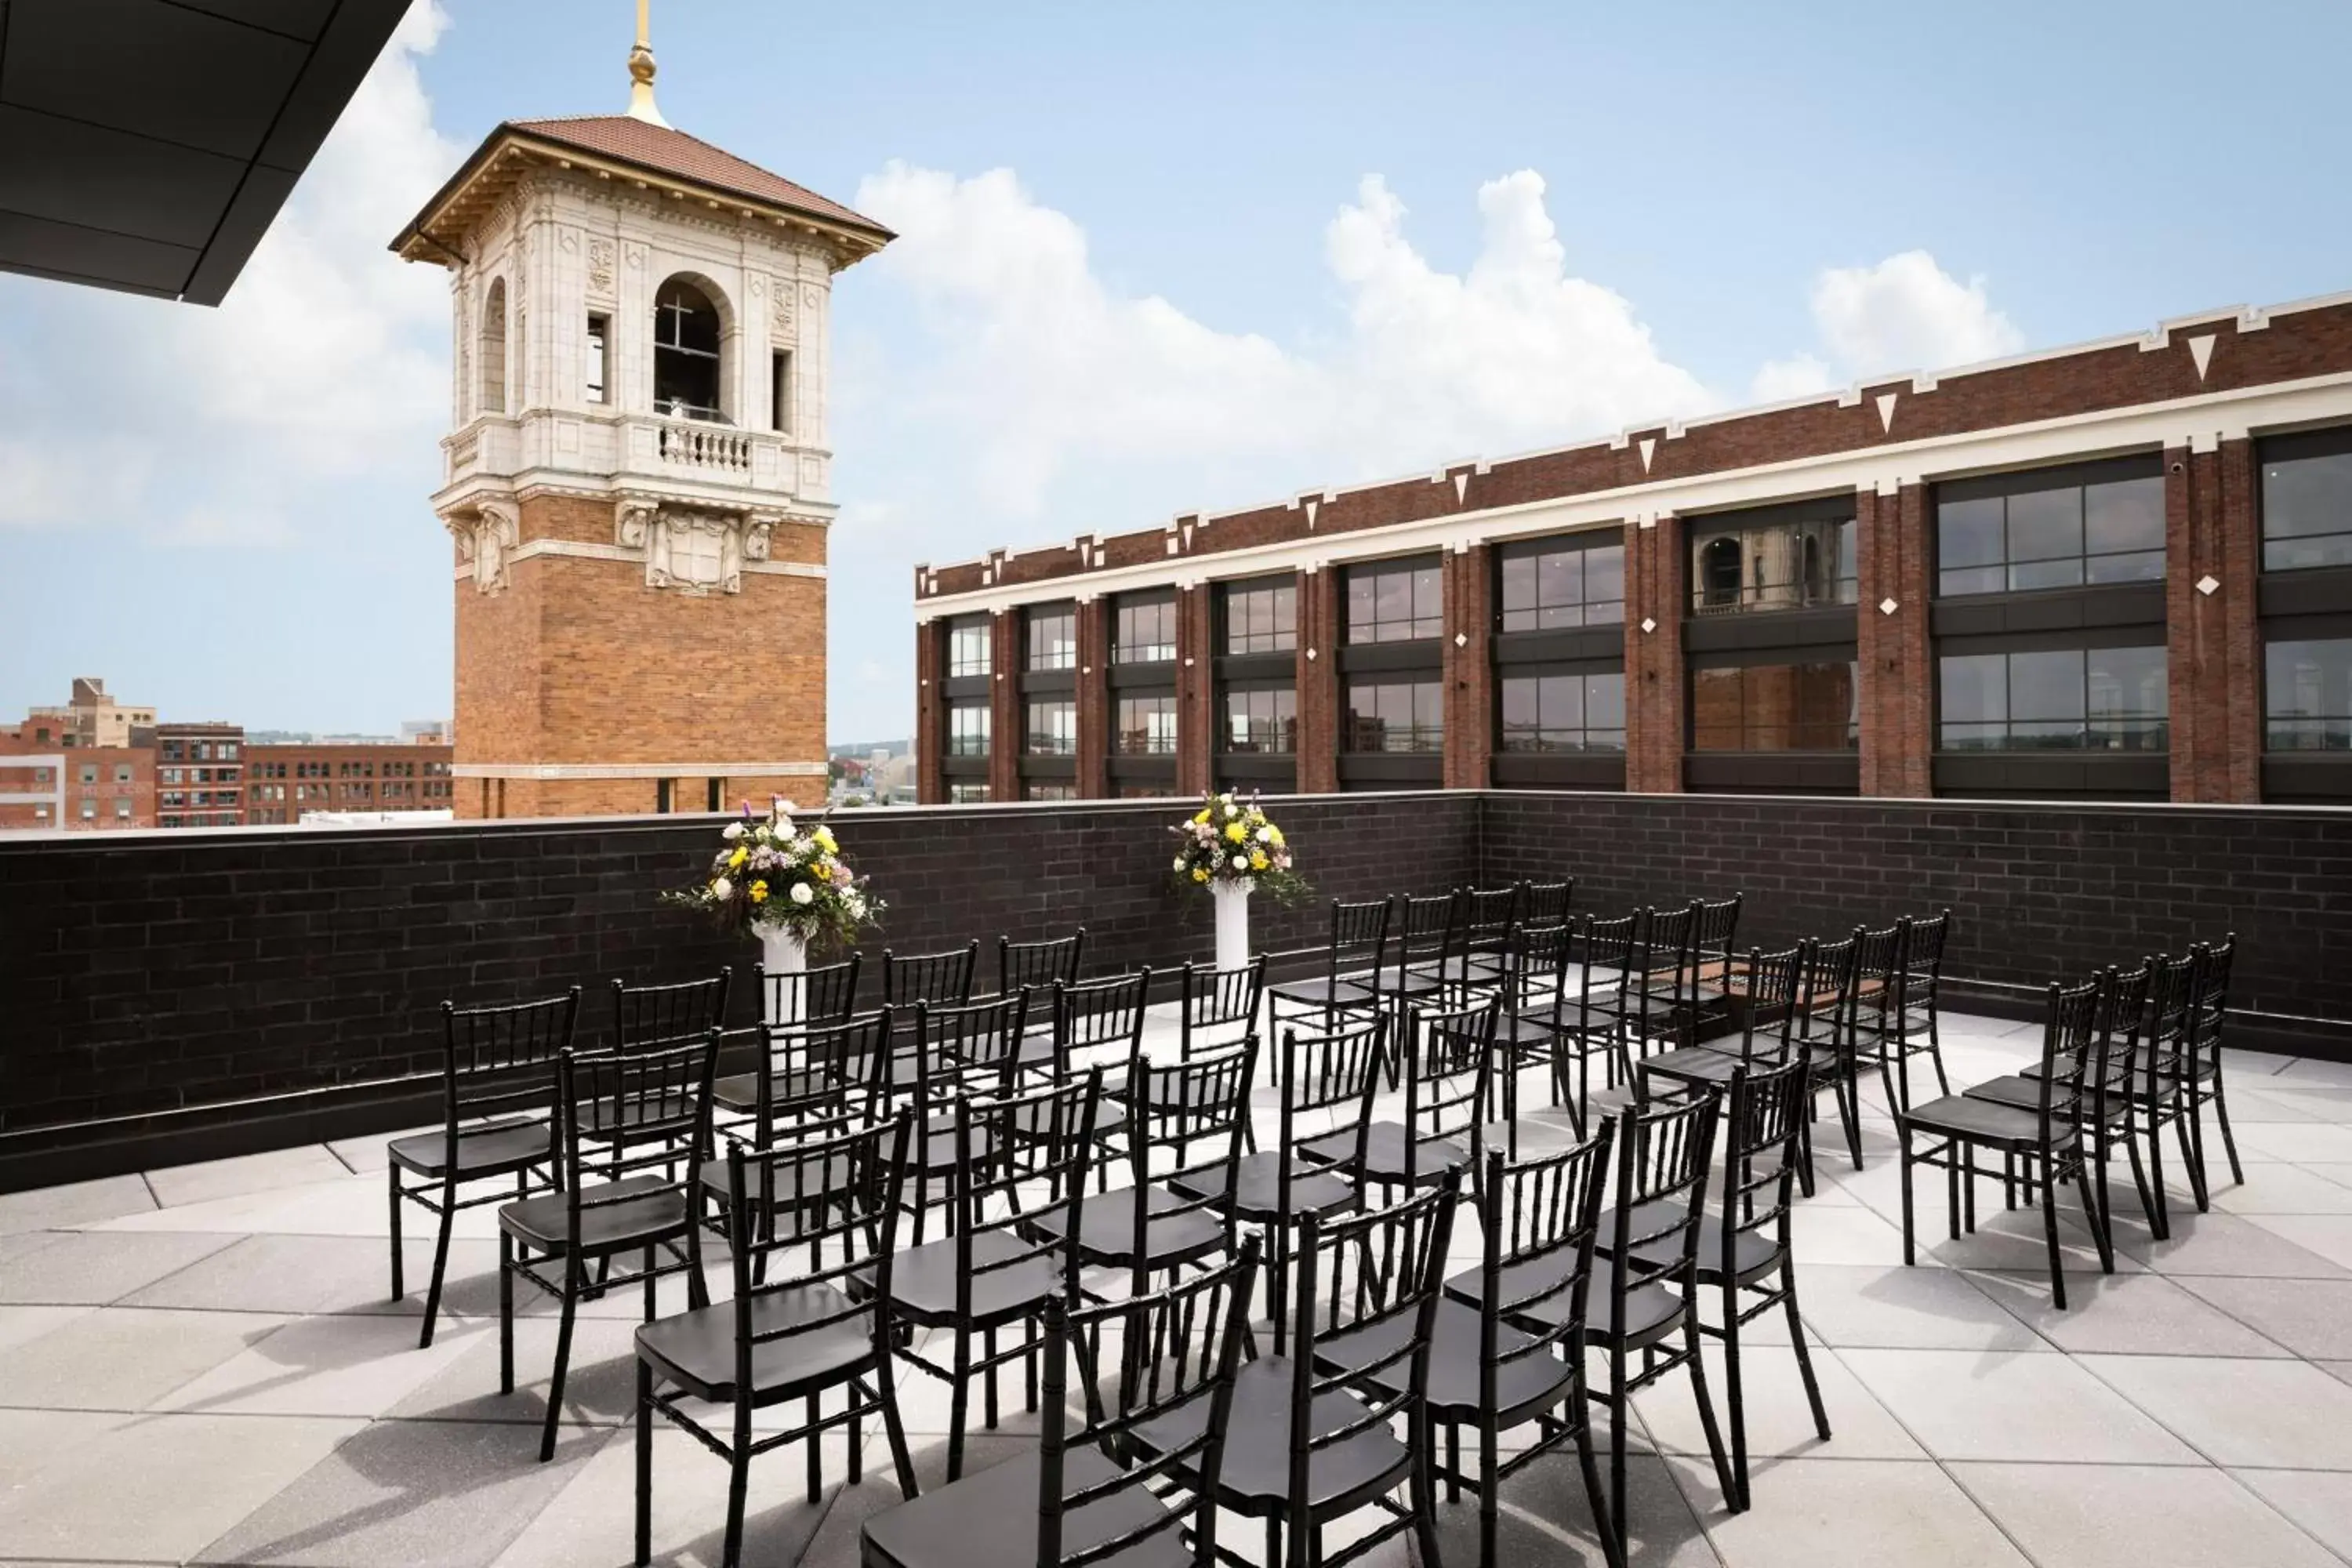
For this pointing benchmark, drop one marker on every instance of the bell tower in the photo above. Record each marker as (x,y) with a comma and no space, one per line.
(636,477)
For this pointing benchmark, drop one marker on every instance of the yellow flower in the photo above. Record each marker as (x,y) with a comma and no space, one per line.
(1258,861)
(1203,815)
(759,892)
(824,840)
(736,860)
(1237,832)
(1276,832)
(1199,875)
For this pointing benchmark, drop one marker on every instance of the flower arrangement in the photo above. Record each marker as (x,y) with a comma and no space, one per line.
(1232,842)
(769,872)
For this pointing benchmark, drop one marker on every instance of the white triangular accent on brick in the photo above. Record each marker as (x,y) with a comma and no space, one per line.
(1312,507)
(2200,349)
(1461,488)
(1649,444)
(1887,410)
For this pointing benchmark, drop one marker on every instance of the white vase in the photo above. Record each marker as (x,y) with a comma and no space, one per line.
(785,951)
(1233,923)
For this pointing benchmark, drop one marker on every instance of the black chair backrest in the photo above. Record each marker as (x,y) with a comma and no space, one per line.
(1489,914)
(1105,1012)
(2213,997)
(1336,1071)
(1774,985)
(1923,961)
(1829,976)
(1212,1001)
(1873,1001)
(1038,963)
(500,1061)
(1545,903)
(935,977)
(1662,1154)
(1021,1156)
(1194,1330)
(665,1015)
(1357,1272)
(1714,925)
(1447,1067)
(1359,939)
(798,1277)
(1429,934)
(823,995)
(1766,1109)
(1197,1110)
(1609,956)
(1534,971)
(1538,1221)
(958,1048)
(2074,1056)
(817,1070)
(2171,1009)
(633,1114)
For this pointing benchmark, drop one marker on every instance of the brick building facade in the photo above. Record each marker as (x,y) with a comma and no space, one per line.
(2121,570)
(638,482)
(282,781)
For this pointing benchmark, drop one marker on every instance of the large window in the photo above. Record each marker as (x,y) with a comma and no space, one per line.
(1052,726)
(1394,716)
(599,358)
(1265,720)
(1048,790)
(1564,712)
(968,729)
(966,793)
(686,352)
(1395,604)
(2100,699)
(1146,726)
(1144,633)
(1783,564)
(2060,535)
(968,647)
(1548,590)
(1054,638)
(2307,501)
(1774,708)
(1262,617)
(2307,695)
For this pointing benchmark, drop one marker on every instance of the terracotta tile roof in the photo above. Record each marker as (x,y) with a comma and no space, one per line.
(673,152)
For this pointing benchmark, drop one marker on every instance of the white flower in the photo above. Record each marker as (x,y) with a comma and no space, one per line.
(1241,862)
(1226,801)
(1266,836)
(1180,862)
(853,902)
(784,826)
(731,832)
(723,888)
(801,894)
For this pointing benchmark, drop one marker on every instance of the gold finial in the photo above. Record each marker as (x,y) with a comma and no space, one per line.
(641,73)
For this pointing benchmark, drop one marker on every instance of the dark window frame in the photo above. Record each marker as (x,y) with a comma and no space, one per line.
(2301,445)
(1584,543)
(1124,605)
(1702,531)
(2079,477)
(1691,726)
(1412,567)
(1279,641)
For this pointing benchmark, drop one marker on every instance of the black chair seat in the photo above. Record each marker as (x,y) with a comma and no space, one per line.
(1651,1311)
(602,1123)
(1384,1154)
(938,1150)
(1979,1121)
(990,1520)
(1535,1028)
(792,1179)
(923,1279)
(1753,1253)
(741,1093)
(1256,1479)
(492,1149)
(1693,1064)
(1035,1120)
(1255,1190)
(2023,1093)
(697,1350)
(1107,1228)
(649,1209)
(1321,992)
(1523,1386)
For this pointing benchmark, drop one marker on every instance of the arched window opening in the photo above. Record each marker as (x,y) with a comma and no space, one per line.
(686,352)
(494,348)
(1719,571)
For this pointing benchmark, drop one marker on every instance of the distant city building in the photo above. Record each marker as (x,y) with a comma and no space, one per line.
(284,783)
(90,718)
(638,484)
(199,774)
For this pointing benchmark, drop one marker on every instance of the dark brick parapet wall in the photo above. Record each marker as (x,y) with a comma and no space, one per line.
(165,995)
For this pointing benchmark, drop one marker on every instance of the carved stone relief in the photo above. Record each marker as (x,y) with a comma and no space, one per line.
(486,541)
(692,552)
(600,265)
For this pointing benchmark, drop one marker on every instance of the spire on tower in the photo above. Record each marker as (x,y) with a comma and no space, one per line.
(641,74)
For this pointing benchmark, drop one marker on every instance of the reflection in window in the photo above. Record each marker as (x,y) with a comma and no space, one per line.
(1046,790)
(1143,789)
(967,652)
(968,729)
(1146,726)
(1144,633)
(1772,565)
(1052,726)
(2307,501)
(1053,638)
(2307,695)
(1262,617)
(2111,532)
(2101,700)
(1262,720)
(1564,712)
(1559,588)
(1775,707)
(962,792)
(1395,604)
(1394,716)
(686,352)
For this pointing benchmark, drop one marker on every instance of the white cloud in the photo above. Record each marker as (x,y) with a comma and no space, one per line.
(326,366)
(1907,313)
(1799,375)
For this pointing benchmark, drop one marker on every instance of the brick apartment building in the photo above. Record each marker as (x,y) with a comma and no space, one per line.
(282,781)
(2120,570)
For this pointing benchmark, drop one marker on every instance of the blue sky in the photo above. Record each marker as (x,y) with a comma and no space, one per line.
(1156,258)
